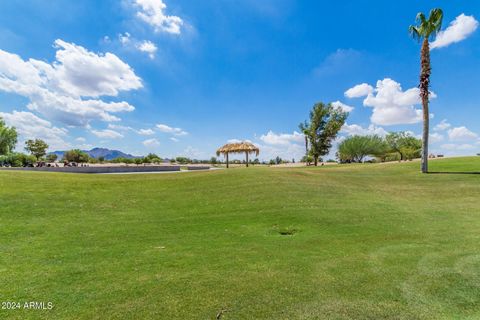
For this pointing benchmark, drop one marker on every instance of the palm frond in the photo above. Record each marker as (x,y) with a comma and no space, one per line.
(420,18)
(413,30)
(436,18)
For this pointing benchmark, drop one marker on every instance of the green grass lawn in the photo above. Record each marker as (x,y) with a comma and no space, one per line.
(341,242)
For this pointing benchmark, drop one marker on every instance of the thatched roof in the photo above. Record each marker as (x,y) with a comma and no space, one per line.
(238,148)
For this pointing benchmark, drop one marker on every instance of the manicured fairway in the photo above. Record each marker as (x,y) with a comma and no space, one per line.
(341,242)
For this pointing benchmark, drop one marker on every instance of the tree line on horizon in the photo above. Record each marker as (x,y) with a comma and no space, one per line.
(322,129)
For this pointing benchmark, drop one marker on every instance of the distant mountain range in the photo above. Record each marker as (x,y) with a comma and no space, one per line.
(107,154)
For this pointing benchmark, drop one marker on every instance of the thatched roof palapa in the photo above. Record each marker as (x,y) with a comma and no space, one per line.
(239,147)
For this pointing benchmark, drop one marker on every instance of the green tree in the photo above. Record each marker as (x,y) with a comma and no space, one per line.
(183,160)
(75,155)
(8,138)
(425,30)
(356,148)
(325,123)
(37,148)
(405,144)
(52,157)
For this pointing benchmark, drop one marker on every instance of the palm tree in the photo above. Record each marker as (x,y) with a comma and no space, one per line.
(305,128)
(426,29)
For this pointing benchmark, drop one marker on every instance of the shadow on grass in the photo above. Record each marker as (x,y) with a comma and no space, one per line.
(454,172)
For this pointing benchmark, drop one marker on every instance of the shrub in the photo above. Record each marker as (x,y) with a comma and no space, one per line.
(356,148)
(17,160)
(182,160)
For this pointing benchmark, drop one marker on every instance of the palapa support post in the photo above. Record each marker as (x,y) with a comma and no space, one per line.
(227,159)
(246,155)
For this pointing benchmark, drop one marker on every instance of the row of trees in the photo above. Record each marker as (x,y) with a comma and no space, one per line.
(325,123)
(395,146)
(8,140)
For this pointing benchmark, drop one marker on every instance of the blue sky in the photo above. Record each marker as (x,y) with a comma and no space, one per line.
(179,77)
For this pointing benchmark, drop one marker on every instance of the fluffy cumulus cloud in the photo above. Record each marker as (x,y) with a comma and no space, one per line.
(443,125)
(343,106)
(360,90)
(282,139)
(175,131)
(148,47)
(151,143)
(391,105)
(29,126)
(288,152)
(461,134)
(355,129)
(436,137)
(153,13)
(285,145)
(68,89)
(458,30)
(107,134)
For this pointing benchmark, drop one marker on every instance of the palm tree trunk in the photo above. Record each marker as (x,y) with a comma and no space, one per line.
(424,91)
(316,160)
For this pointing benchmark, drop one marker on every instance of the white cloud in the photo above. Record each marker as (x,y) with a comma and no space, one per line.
(29,126)
(343,106)
(272,138)
(392,106)
(148,47)
(174,139)
(285,145)
(68,90)
(360,90)
(146,132)
(174,131)
(81,139)
(107,134)
(458,30)
(443,125)
(435,137)
(151,143)
(142,132)
(288,152)
(461,134)
(355,129)
(80,72)
(153,13)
